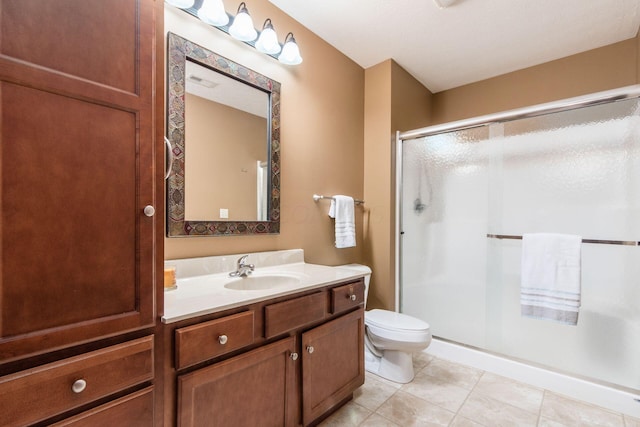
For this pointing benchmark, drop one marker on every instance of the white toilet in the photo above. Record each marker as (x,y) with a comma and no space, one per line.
(390,338)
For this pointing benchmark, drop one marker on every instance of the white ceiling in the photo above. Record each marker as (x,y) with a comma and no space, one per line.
(468,41)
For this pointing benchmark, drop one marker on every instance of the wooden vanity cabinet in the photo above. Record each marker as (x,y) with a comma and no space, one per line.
(305,358)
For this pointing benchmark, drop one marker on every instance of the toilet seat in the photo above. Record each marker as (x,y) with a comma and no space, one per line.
(395,321)
(394,326)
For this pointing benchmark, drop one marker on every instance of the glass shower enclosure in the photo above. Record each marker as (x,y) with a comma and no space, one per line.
(469,191)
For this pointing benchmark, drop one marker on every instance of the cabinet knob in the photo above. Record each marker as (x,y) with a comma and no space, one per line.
(149,210)
(310,348)
(79,386)
(353,297)
(294,356)
(222,339)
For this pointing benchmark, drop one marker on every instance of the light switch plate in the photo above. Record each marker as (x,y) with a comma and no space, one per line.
(224,213)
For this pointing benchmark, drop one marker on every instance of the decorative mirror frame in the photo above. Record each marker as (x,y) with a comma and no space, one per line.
(179,51)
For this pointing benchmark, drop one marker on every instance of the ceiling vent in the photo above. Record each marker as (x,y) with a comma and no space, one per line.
(202,82)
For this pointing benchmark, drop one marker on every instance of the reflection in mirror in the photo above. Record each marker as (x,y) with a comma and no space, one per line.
(224,128)
(223,115)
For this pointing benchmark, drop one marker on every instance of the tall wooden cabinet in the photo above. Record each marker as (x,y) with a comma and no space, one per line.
(80,179)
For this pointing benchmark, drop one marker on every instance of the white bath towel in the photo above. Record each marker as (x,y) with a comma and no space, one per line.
(342,209)
(550,277)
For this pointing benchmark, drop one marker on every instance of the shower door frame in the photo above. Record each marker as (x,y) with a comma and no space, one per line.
(626,92)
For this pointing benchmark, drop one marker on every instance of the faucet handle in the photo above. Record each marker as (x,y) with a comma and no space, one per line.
(242,269)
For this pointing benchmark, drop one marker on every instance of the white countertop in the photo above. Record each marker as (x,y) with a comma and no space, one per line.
(205,294)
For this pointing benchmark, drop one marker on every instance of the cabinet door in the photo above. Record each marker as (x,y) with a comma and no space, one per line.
(254,389)
(332,363)
(77,162)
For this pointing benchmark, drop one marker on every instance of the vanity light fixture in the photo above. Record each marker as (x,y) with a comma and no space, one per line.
(268,40)
(212,12)
(182,4)
(290,52)
(242,27)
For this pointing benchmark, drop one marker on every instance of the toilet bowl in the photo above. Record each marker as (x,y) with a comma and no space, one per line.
(390,338)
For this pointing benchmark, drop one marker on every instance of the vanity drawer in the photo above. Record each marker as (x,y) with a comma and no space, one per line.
(347,296)
(207,340)
(135,409)
(288,315)
(42,392)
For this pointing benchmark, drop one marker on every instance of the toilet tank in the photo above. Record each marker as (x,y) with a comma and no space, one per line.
(367,276)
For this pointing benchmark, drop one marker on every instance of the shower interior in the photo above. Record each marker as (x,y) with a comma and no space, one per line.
(571,170)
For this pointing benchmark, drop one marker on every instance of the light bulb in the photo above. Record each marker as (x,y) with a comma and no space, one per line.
(268,40)
(242,27)
(212,12)
(182,4)
(290,52)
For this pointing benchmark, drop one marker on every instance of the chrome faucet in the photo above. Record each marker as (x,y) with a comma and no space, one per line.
(243,270)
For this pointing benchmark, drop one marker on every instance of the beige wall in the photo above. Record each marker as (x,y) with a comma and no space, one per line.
(393,100)
(377,178)
(322,108)
(637,40)
(600,69)
(221,171)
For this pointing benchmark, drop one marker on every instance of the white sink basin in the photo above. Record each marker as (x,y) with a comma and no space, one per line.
(262,282)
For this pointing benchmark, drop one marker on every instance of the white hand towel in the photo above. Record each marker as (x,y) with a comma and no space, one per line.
(550,287)
(342,209)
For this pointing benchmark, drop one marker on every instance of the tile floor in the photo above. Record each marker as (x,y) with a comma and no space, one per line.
(444,393)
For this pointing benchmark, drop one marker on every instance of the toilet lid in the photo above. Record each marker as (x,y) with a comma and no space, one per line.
(392,320)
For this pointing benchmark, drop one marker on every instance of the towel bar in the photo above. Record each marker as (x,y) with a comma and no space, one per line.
(316,197)
(602,242)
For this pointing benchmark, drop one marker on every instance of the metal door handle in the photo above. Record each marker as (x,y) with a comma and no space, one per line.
(167,143)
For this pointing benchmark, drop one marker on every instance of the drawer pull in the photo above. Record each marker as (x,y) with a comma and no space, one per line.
(79,386)
(310,349)
(294,356)
(222,339)
(353,297)
(149,210)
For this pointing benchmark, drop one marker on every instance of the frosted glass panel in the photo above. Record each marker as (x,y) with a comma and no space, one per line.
(444,179)
(574,172)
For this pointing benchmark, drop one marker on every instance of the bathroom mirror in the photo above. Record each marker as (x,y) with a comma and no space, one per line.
(223,124)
